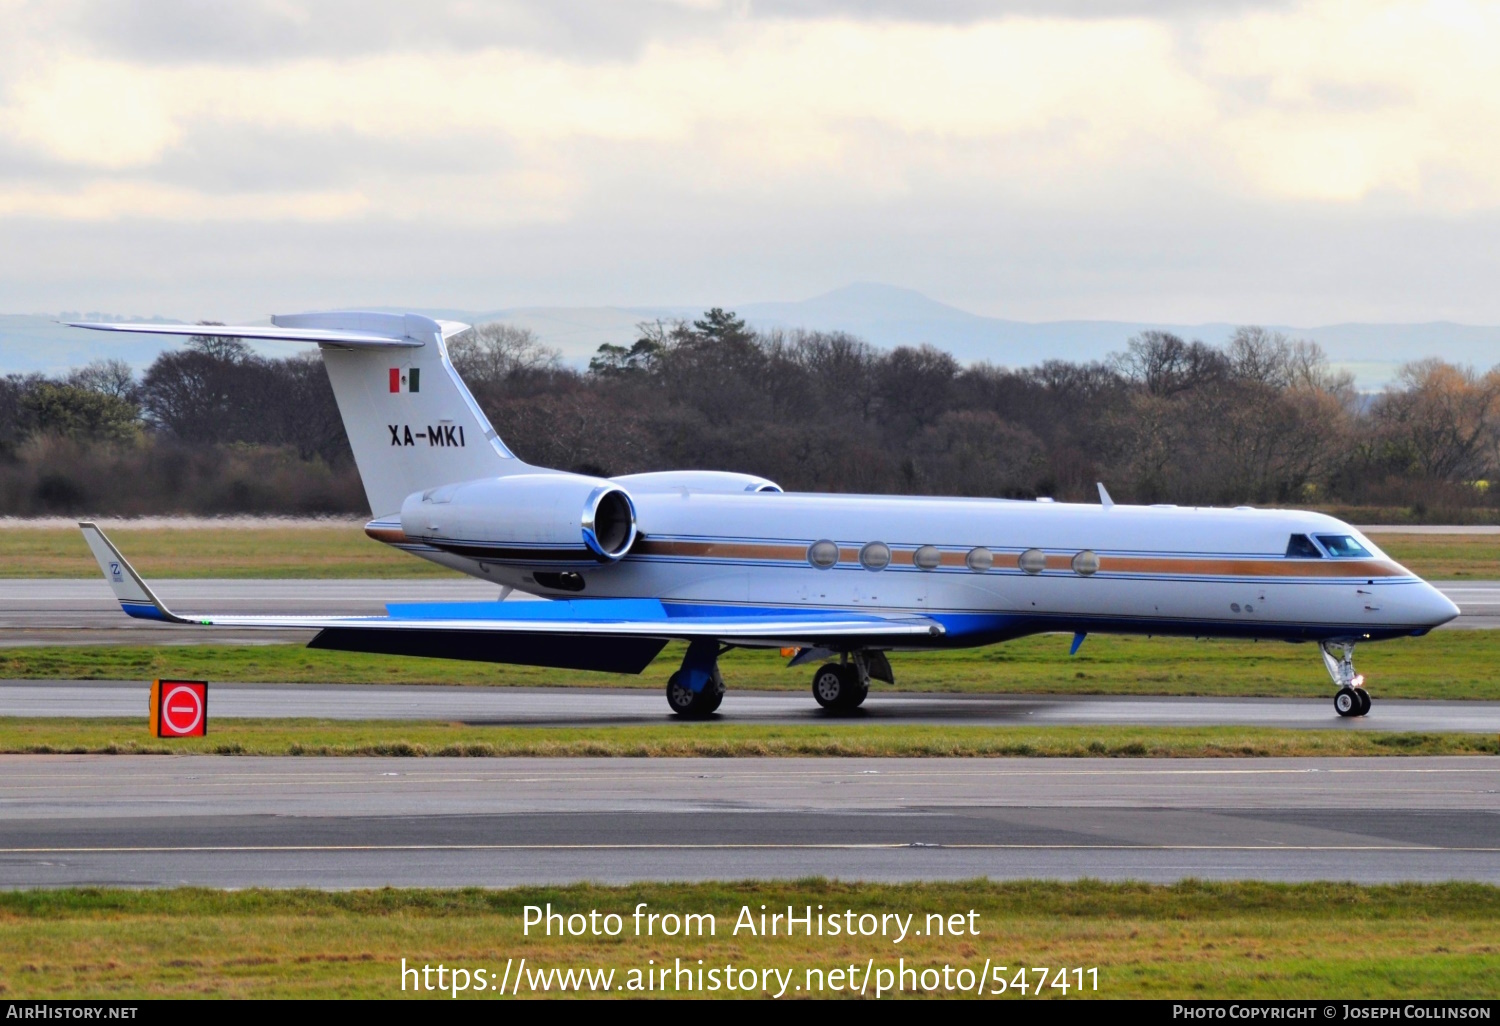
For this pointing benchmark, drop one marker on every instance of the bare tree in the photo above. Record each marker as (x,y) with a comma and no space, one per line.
(107,377)
(498,355)
(1444,420)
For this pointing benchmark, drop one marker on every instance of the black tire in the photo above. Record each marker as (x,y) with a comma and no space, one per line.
(828,685)
(715,697)
(1346,702)
(692,705)
(1364,702)
(837,688)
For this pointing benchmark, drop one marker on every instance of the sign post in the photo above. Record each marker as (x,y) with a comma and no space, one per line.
(179,708)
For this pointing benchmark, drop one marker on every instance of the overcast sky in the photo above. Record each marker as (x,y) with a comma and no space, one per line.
(1182,161)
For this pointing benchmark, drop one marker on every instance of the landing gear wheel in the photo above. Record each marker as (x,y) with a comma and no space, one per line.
(1364,702)
(1347,702)
(714,693)
(837,688)
(694,705)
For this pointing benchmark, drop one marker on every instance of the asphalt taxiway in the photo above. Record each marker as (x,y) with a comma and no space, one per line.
(605,707)
(238,822)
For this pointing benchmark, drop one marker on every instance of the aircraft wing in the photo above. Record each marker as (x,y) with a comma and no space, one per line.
(622,635)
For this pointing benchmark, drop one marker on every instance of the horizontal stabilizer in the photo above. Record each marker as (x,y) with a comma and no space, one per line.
(332,336)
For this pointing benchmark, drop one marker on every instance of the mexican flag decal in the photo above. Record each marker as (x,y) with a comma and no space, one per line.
(409,380)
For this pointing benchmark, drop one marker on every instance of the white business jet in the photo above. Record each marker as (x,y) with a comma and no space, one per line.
(724,560)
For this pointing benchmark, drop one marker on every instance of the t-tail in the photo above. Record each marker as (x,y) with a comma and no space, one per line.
(411,421)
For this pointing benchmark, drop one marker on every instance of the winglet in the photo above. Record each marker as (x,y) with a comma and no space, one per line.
(134,597)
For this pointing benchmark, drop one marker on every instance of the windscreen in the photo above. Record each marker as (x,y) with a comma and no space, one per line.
(1343,546)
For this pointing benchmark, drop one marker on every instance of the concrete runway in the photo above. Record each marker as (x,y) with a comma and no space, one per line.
(83,612)
(599,707)
(236,822)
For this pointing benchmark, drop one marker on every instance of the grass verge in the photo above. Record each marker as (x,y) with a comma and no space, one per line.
(1445,664)
(240,552)
(848,738)
(1190,940)
(345,551)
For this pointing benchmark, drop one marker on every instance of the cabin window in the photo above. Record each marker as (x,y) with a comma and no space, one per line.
(823,554)
(875,556)
(1343,546)
(1086,563)
(1033,561)
(979,560)
(927,557)
(1301,547)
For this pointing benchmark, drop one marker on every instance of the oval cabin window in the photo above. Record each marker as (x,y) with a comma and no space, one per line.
(1033,561)
(823,554)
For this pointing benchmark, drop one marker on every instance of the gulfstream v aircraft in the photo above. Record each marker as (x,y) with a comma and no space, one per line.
(724,560)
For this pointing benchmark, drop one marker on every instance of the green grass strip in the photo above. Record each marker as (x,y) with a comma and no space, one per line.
(721,740)
(1321,941)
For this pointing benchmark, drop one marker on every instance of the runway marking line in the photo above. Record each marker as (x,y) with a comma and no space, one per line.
(889,846)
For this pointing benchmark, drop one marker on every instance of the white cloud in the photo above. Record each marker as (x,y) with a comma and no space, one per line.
(1384,108)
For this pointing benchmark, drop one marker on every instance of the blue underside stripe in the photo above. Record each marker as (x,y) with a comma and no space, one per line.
(613,611)
(960,628)
(143,611)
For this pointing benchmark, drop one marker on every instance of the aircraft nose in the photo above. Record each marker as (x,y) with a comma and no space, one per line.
(1437,608)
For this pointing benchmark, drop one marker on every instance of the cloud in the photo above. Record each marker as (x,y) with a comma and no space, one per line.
(594,121)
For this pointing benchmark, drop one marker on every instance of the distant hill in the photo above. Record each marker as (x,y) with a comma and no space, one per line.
(889,316)
(883,315)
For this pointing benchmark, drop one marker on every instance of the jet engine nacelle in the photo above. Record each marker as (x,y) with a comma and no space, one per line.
(543,517)
(716,481)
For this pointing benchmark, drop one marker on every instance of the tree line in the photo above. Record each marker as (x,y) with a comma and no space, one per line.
(1261,419)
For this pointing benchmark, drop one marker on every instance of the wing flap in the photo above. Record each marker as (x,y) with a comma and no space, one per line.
(565,652)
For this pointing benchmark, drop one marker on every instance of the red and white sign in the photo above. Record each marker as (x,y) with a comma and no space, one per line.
(181,708)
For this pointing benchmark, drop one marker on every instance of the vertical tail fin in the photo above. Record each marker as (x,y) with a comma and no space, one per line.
(411,421)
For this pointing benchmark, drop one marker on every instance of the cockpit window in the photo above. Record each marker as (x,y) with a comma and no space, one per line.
(1343,546)
(1301,547)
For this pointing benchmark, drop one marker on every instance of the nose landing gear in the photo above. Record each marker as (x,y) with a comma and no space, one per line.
(1351,698)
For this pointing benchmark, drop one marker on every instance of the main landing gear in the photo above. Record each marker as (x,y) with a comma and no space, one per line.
(838,688)
(1351,698)
(695,691)
(844,686)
